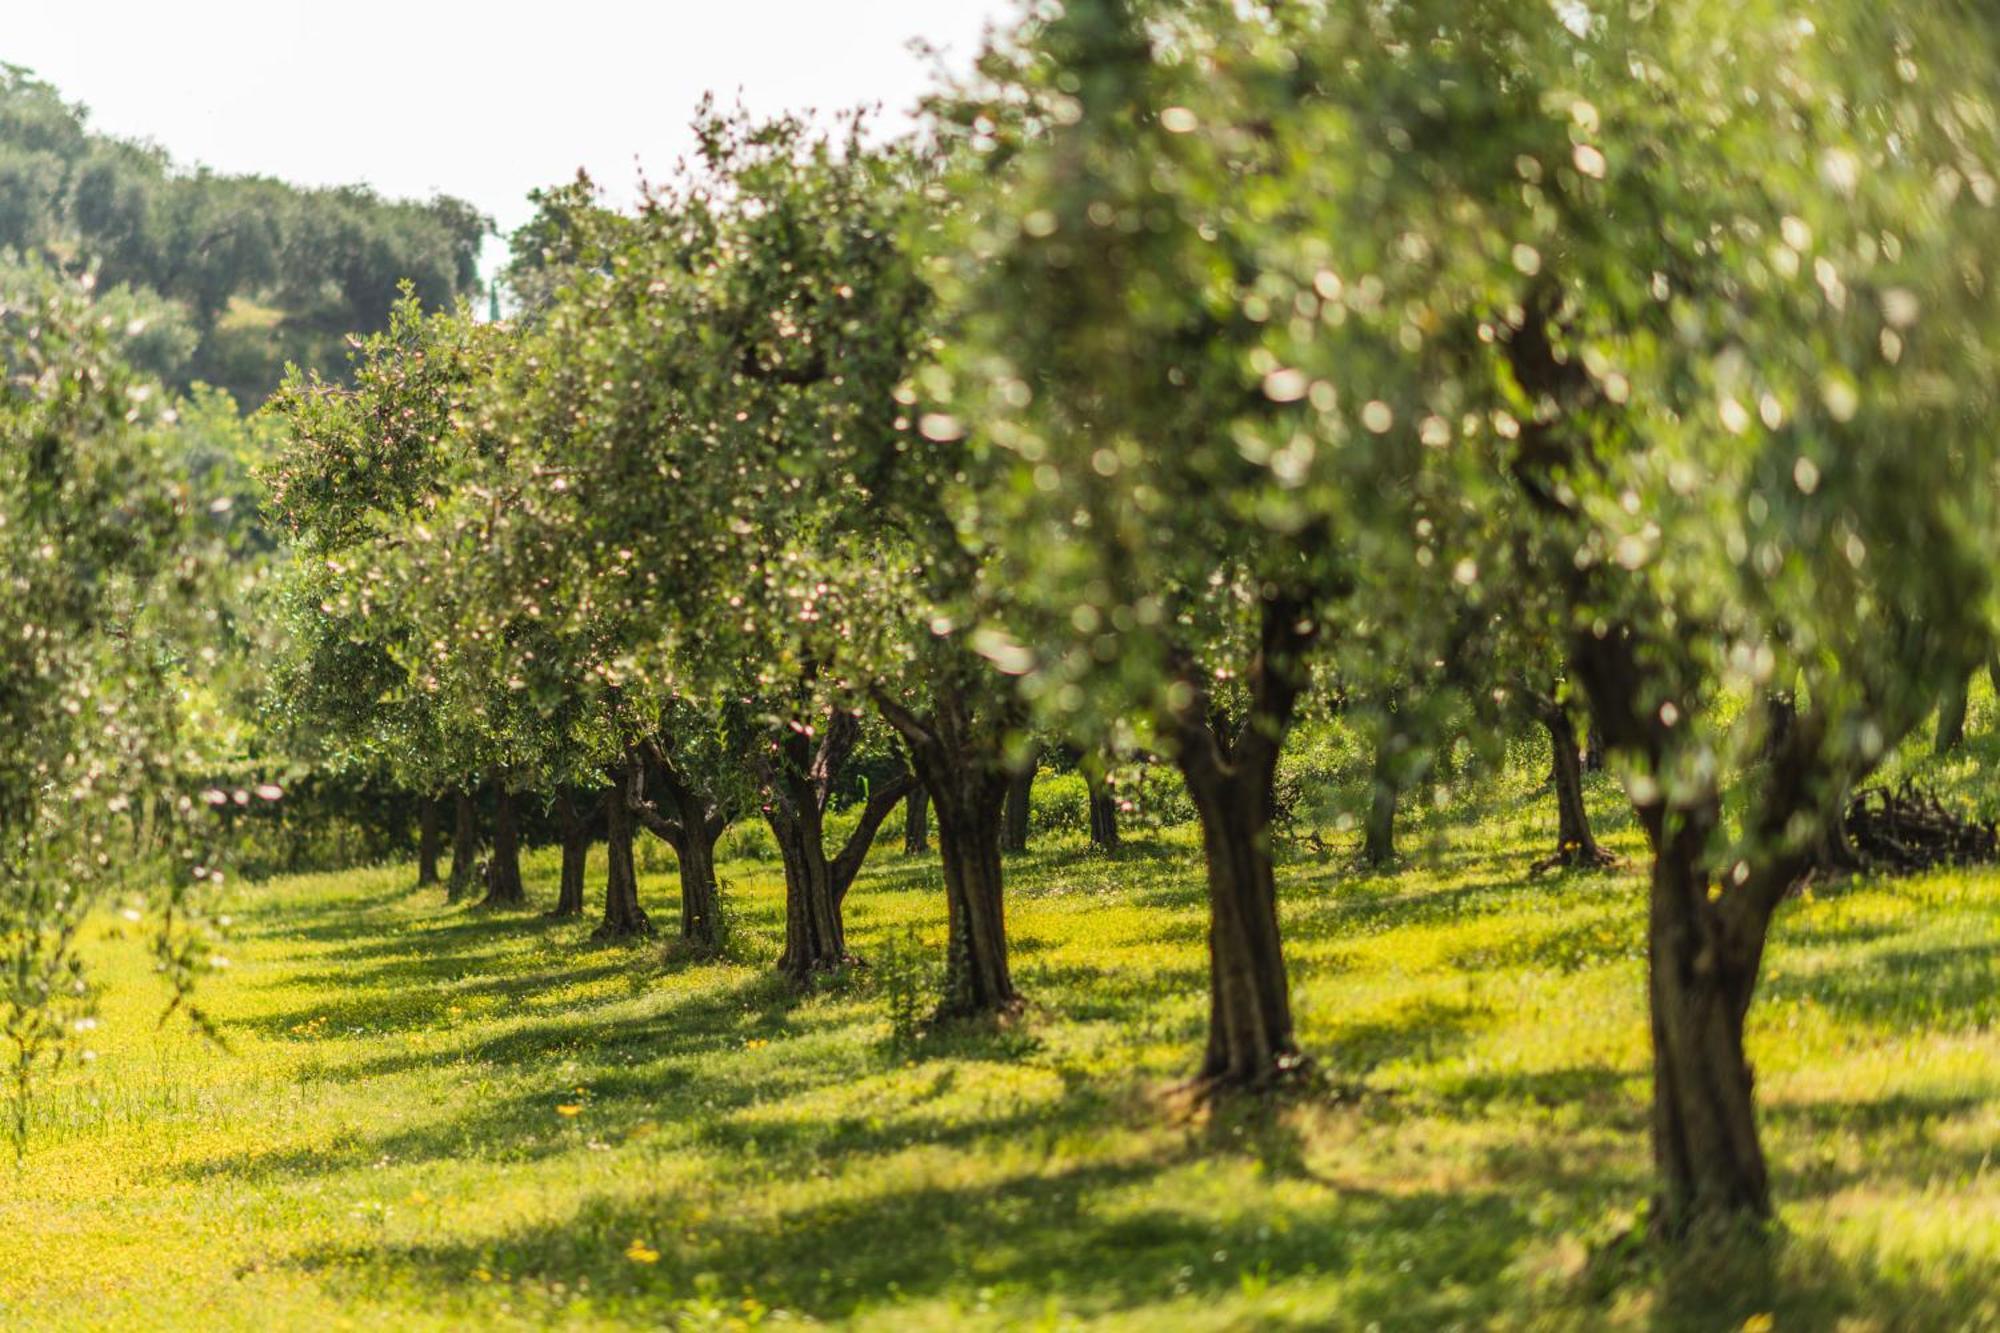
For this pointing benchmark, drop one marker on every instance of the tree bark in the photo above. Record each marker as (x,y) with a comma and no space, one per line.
(701,890)
(1705,941)
(882,803)
(815,936)
(798,780)
(1701,974)
(960,758)
(1250,1041)
(1576,846)
(916,823)
(503,872)
(430,841)
(464,845)
(691,825)
(1231,776)
(1103,815)
(1017,811)
(977,978)
(576,841)
(623,916)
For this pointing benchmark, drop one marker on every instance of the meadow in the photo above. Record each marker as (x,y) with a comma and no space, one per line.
(427,1116)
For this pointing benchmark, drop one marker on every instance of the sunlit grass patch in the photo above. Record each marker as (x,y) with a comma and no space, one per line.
(431,1117)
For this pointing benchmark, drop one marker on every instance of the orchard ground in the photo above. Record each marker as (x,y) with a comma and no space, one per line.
(428,1116)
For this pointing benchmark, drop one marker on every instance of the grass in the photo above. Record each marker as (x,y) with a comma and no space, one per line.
(383,1143)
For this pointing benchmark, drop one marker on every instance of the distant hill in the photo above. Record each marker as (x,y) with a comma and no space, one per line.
(243,273)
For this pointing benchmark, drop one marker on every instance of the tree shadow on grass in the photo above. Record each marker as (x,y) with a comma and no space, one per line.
(1752,1275)
(1426,1029)
(1093,1238)
(1945,988)
(1601,938)
(268,914)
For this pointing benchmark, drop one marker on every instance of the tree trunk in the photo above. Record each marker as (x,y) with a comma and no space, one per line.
(1705,1145)
(575,855)
(1020,787)
(1593,748)
(1103,818)
(430,841)
(622,914)
(916,823)
(464,845)
(798,780)
(1250,1041)
(701,891)
(503,872)
(1378,847)
(977,980)
(1951,717)
(958,748)
(1576,846)
(691,825)
(815,938)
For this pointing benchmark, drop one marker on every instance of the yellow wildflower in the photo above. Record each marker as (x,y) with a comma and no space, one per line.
(641,1253)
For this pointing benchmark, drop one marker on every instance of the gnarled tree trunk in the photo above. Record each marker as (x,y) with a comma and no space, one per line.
(1250,1039)
(503,872)
(815,936)
(701,891)
(1702,971)
(622,915)
(1231,776)
(430,841)
(1705,941)
(464,845)
(961,760)
(977,978)
(798,783)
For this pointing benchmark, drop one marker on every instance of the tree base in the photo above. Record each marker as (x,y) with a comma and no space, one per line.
(1287,1074)
(620,932)
(803,976)
(1572,857)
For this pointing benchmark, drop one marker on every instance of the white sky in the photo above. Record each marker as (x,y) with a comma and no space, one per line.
(479,100)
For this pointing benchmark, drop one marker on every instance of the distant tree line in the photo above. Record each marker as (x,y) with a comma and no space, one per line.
(242,273)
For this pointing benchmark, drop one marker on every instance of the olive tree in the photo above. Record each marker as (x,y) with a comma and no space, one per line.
(1693,302)
(103,600)
(1107,330)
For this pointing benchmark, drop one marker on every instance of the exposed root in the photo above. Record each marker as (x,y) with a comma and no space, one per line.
(1287,1075)
(608,933)
(1574,856)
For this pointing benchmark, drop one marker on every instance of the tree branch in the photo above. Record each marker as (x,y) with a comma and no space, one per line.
(882,802)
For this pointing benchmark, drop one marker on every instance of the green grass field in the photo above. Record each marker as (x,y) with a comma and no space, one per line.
(430,1117)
